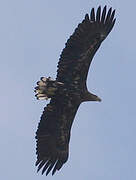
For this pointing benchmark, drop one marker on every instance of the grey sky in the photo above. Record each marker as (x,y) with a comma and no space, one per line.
(32,36)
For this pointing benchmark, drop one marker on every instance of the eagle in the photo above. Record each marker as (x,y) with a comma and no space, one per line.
(69,89)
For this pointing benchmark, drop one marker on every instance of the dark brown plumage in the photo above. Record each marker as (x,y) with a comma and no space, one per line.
(69,89)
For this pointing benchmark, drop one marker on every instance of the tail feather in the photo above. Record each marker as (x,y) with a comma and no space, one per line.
(46,88)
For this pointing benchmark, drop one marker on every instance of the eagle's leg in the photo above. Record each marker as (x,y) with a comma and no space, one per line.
(46,88)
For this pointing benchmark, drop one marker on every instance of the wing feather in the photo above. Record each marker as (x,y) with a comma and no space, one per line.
(103,14)
(108,16)
(92,15)
(53,133)
(80,48)
(98,14)
(112,15)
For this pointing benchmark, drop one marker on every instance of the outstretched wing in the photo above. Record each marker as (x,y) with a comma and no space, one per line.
(81,46)
(53,133)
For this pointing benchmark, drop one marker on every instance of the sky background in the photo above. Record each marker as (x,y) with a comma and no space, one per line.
(32,36)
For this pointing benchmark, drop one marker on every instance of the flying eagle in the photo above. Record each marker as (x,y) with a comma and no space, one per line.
(69,90)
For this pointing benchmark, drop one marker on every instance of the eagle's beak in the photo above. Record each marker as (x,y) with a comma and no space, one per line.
(98,99)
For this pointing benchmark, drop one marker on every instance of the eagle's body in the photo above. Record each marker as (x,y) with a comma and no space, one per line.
(69,89)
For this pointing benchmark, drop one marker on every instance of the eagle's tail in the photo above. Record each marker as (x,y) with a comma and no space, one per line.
(46,88)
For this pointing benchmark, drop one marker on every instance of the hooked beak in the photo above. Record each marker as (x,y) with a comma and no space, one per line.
(98,99)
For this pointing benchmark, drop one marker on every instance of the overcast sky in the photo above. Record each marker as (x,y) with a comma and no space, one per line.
(32,36)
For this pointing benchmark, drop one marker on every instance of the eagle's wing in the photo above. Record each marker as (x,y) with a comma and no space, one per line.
(80,48)
(53,133)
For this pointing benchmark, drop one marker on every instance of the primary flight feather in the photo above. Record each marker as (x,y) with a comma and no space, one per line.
(69,89)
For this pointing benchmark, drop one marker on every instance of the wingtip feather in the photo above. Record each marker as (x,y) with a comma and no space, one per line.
(108,15)
(92,15)
(86,17)
(98,14)
(45,167)
(103,14)
(112,15)
(37,162)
